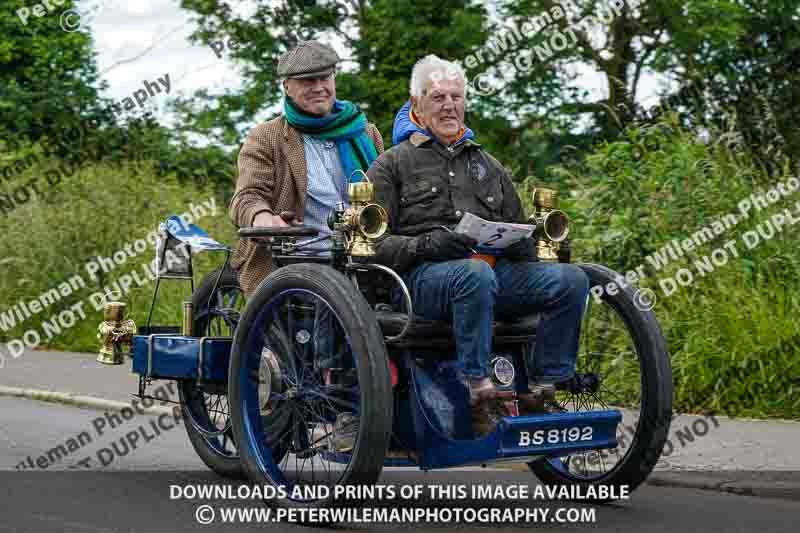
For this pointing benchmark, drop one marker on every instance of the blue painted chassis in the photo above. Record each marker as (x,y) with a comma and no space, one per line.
(170,356)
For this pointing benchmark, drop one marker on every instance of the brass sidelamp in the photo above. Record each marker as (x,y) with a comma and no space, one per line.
(114,332)
(366,220)
(552,224)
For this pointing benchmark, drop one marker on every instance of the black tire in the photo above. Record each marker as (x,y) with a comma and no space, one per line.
(363,333)
(210,449)
(655,408)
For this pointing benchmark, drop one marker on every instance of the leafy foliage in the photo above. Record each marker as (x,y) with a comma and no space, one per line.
(46,245)
(754,79)
(732,332)
(36,51)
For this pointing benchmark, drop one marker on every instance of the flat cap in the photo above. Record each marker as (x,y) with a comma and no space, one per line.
(309,59)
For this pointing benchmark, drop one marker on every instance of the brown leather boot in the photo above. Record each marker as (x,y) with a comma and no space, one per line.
(482,399)
(541,400)
(483,418)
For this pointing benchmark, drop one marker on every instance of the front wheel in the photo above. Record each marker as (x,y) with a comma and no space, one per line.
(309,386)
(622,364)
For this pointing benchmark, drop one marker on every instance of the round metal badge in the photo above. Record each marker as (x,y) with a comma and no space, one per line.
(502,370)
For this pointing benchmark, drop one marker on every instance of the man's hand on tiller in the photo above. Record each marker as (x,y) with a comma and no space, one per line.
(267,220)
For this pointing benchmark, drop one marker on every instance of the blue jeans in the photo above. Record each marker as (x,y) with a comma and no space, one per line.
(331,349)
(469,293)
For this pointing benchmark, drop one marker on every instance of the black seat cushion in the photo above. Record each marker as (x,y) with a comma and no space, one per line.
(392,323)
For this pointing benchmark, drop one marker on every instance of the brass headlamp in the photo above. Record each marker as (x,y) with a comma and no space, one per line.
(366,220)
(114,332)
(552,224)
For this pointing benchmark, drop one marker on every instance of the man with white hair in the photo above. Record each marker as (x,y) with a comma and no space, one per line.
(427,183)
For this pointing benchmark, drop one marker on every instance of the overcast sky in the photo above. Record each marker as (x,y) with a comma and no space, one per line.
(159,29)
(125,29)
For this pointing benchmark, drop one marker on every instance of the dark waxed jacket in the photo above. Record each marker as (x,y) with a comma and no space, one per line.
(424,185)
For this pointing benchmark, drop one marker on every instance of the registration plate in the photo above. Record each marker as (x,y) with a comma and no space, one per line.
(562,435)
(551,434)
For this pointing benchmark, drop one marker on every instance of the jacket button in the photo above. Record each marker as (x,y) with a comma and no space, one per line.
(458,213)
(434,189)
(490,199)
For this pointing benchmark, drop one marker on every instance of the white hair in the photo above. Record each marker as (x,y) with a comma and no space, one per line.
(434,68)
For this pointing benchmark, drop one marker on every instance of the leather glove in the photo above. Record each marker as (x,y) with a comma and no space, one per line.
(523,250)
(444,246)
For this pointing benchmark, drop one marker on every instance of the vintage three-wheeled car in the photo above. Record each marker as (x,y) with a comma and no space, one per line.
(258,402)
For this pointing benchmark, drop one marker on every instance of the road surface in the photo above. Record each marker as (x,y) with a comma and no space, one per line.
(65,492)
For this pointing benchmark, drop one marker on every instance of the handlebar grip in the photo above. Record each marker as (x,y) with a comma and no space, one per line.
(291,231)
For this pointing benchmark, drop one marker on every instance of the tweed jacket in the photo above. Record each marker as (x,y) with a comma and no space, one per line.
(272,178)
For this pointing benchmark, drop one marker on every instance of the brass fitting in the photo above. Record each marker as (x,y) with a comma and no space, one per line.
(188,319)
(113,333)
(366,220)
(552,224)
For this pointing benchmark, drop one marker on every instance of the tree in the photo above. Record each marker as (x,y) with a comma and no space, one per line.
(755,79)
(533,107)
(48,80)
(619,40)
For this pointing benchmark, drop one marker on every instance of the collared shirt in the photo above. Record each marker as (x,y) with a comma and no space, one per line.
(326,186)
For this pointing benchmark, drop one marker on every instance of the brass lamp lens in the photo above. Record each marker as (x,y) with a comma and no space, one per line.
(373,221)
(556,225)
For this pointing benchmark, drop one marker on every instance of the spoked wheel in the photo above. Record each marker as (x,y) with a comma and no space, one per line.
(301,427)
(622,364)
(206,413)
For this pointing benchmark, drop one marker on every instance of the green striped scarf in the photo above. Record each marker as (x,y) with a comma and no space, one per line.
(345,125)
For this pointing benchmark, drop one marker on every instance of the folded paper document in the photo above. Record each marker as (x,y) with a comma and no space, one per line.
(492,237)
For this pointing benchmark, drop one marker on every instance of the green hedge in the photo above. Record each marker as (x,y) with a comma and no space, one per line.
(732,333)
(94,212)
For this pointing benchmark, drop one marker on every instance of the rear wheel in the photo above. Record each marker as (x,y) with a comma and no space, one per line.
(622,364)
(206,413)
(299,430)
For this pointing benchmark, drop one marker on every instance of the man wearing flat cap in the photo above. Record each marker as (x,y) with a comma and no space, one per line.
(294,169)
(299,163)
